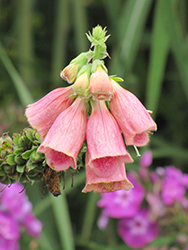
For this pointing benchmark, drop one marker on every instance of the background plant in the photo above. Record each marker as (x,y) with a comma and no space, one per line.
(148,47)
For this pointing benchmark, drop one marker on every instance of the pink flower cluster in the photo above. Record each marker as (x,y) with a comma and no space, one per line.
(16,214)
(151,208)
(97,109)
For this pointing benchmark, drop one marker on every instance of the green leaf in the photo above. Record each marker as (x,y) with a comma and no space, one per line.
(10,159)
(16,138)
(26,155)
(29,134)
(20,169)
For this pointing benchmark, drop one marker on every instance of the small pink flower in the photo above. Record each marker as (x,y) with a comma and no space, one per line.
(65,137)
(42,114)
(132,117)
(100,85)
(139,230)
(123,204)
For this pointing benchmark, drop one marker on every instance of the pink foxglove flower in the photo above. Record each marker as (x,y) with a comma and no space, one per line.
(139,230)
(132,117)
(65,137)
(42,114)
(106,152)
(100,85)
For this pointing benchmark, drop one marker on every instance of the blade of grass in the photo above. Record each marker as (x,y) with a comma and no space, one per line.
(80,26)
(131,27)
(61,28)
(178,44)
(24,25)
(23,93)
(158,57)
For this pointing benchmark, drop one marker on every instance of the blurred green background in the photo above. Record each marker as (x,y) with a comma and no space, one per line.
(148,47)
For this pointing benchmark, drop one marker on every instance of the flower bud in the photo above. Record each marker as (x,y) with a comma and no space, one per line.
(70,72)
(81,85)
(100,85)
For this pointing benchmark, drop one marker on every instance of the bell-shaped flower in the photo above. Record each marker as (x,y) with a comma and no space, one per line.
(132,117)
(42,114)
(110,177)
(65,137)
(106,150)
(100,85)
(69,73)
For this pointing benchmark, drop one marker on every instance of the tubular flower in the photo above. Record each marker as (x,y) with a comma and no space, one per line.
(42,114)
(105,171)
(132,117)
(100,85)
(65,137)
(111,178)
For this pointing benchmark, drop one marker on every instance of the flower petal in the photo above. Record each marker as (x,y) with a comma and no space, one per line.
(65,137)
(132,117)
(106,183)
(42,114)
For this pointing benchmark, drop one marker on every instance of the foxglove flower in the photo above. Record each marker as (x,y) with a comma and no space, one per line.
(105,171)
(139,230)
(65,137)
(42,114)
(123,204)
(100,85)
(132,117)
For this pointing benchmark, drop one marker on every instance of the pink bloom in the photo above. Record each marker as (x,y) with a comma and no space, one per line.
(132,117)
(146,159)
(106,152)
(42,114)
(100,85)
(65,137)
(173,188)
(139,230)
(123,204)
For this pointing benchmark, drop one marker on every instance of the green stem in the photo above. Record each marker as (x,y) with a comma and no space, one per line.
(63,222)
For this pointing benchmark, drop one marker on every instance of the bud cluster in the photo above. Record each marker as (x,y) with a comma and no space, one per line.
(87,70)
(20,161)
